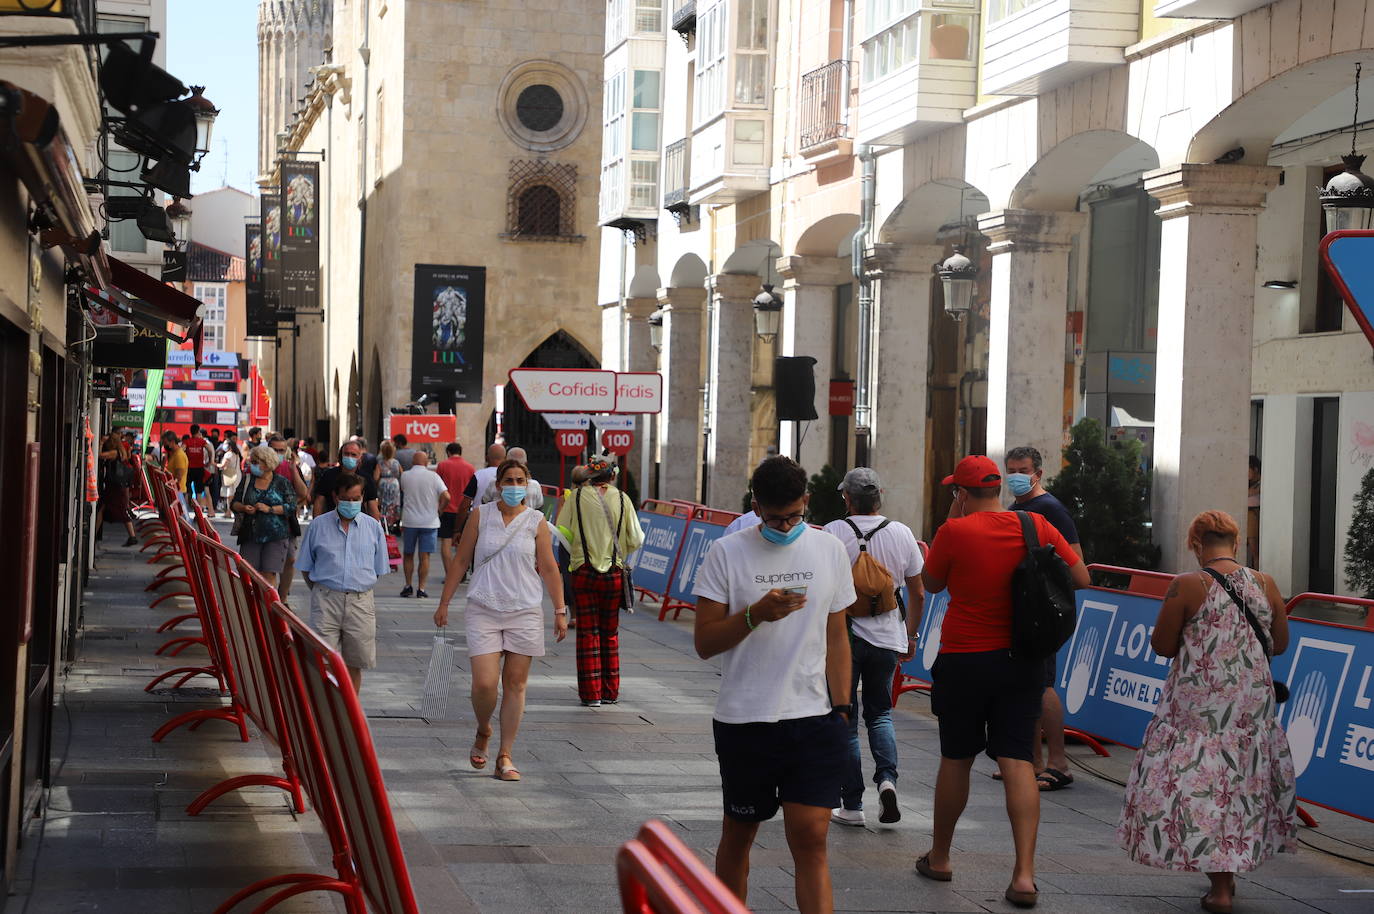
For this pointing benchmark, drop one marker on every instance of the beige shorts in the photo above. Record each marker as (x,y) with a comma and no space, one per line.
(490,631)
(348,623)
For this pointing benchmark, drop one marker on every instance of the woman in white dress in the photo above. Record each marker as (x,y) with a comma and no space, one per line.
(229,470)
(510,549)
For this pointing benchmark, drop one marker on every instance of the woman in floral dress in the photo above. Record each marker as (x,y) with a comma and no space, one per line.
(388,478)
(1212,789)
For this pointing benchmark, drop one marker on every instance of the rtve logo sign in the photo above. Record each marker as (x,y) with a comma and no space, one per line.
(425,429)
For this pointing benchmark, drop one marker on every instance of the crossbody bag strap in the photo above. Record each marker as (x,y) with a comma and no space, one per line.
(511,529)
(1249,616)
(1028,530)
(615,539)
(582,530)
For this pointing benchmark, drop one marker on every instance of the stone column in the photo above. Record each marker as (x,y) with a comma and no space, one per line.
(638,355)
(1030,293)
(808,328)
(902,370)
(1202,370)
(679,425)
(730,388)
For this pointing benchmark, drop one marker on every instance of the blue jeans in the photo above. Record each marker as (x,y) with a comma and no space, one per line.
(873,667)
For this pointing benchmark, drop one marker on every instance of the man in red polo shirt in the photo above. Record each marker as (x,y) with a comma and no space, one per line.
(199,457)
(456,474)
(984,698)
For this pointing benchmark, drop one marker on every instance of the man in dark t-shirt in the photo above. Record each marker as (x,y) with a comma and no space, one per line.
(349,457)
(1025,480)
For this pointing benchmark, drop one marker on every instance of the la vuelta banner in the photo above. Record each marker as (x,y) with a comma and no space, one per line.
(260,319)
(300,239)
(450,315)
(271,260)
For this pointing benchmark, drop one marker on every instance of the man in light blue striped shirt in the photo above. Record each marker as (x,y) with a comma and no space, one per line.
(342,554)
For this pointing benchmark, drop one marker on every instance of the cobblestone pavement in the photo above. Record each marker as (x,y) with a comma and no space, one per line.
(116,837)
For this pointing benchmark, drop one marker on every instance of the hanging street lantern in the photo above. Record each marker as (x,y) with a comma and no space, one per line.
(958,277)
(767,313)
(1348,198)
(655,321)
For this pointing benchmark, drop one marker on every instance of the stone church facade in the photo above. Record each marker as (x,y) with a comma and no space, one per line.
(445,137)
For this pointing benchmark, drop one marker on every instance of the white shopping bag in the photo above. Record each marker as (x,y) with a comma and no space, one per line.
(434,704)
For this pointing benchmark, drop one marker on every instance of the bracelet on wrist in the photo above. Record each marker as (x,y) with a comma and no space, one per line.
(748,618)
(561,612)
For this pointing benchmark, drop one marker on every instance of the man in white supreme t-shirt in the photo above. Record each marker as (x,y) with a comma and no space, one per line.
(771,601)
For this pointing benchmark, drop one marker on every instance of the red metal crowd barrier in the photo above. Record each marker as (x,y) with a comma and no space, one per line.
(297,691)
(1140,582)
(658,874)
(1367,605)
(668,508)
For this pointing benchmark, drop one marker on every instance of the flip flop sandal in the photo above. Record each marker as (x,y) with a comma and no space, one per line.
(477,755)
(1214,907)
(1052,779)
(505,769)
(1023,899)
(925,869)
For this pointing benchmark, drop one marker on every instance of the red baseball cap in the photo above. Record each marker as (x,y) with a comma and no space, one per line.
(975,472)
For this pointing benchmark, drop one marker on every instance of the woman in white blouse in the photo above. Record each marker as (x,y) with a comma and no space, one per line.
(510,550)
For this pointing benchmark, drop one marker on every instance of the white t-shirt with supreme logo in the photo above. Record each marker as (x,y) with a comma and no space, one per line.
(778,671)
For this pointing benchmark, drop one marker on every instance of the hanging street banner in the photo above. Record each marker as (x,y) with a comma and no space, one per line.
(187,399)
(446,346)
(260,319)
(1349,260)
(300,239)
(271,258)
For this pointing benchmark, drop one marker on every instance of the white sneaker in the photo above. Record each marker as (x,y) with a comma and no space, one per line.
(851,817)
(887,796)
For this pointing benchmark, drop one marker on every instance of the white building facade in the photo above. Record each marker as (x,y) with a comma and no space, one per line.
(1138,192)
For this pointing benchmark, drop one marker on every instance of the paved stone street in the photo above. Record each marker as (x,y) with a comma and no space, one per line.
(117,838)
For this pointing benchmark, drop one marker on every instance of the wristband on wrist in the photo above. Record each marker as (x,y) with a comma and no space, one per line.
(748,618)
(561,612)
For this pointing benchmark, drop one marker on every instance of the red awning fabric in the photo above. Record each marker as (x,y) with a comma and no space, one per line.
(156,298)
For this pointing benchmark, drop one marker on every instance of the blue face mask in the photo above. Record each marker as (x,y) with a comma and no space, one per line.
(779,538)
(1020,483)
(255,469)
(512,495)
(349,509)
(349,463)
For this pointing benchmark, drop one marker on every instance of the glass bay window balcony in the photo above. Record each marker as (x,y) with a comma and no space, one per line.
(1030,46)
(632,114)
(732,121)
(918,70)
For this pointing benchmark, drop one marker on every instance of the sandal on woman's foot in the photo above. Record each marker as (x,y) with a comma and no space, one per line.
(925,869)
(1023,899)
(477,756)
(1215,907)
(505,769)
(1053,779)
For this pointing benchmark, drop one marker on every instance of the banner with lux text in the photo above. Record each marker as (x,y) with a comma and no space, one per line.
(450,316)
(300,250)
(271,259)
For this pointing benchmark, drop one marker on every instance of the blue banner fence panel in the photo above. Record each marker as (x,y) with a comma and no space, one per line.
(652,564)
(696,543)
(1110,680)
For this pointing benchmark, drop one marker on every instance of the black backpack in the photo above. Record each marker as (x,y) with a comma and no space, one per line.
(1043,607)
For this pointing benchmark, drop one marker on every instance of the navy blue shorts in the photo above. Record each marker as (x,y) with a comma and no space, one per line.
(766,764)
(987,700)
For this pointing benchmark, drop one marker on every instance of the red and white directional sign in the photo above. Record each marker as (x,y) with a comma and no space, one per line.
(618,441)
(565,390)
(425,428)
(570,441)
(638,392)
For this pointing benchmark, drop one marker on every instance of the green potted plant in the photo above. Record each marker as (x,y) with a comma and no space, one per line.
(1359,542)
(1107,493)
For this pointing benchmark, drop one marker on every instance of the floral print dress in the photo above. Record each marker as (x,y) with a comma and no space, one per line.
(389,492)
(1212,788)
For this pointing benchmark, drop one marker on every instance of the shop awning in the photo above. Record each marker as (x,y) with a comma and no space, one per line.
(142,300)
